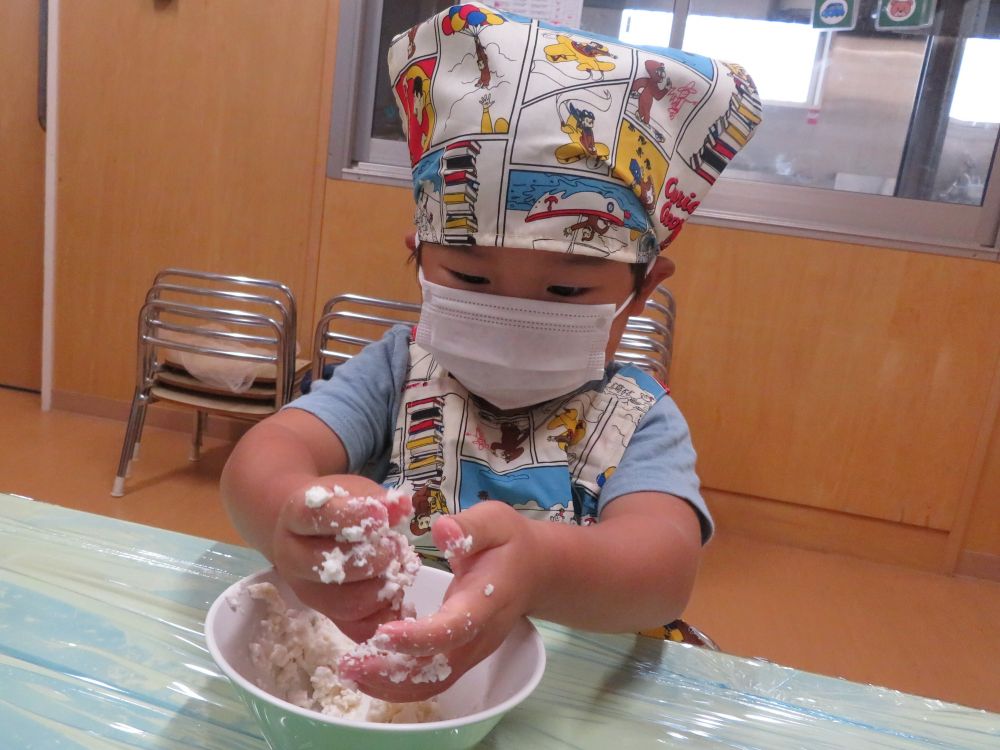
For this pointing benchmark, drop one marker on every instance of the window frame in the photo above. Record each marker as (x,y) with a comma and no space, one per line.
(883,221)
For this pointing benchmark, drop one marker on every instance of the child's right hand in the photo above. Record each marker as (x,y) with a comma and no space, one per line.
(335,555)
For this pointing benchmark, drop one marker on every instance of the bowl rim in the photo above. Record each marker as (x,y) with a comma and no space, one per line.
(223,600)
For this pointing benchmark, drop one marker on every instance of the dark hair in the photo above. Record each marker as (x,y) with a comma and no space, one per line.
(638,269)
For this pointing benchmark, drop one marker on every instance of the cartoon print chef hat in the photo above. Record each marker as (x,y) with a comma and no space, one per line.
(523,134)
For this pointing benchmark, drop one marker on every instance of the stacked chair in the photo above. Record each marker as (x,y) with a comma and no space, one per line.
(194,324)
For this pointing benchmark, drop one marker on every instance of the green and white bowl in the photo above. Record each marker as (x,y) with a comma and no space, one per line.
(470,708)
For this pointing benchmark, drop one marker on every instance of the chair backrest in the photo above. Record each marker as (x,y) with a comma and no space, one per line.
(247,306)
(351,321)
(648,340)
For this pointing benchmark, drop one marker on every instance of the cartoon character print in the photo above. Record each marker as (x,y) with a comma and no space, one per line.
(578,123)
(423,214)
(571,206)
(489,125)
(511,443)
(470,20)
(640,164)
(413,91)
(586,55)
(427,501)
(642,182)
(589,227)
(653,87)
(411,45)
(574,428)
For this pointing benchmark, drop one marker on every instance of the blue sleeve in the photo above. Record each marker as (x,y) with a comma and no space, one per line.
(660,458)
(359,403)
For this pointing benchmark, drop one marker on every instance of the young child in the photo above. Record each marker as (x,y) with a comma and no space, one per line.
(550,169)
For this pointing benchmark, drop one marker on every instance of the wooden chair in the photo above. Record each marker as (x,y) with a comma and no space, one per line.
(193,323)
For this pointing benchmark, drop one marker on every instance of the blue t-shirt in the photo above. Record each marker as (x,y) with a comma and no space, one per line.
(361,402)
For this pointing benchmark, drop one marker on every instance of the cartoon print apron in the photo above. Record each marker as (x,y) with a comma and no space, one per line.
(450,452)
(550,462)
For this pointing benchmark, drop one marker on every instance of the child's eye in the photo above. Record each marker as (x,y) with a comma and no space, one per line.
(567,291)
(468,278)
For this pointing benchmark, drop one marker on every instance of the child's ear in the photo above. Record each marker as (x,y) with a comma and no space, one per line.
(663,269)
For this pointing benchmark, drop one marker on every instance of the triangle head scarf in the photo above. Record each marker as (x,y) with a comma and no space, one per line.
(523,134)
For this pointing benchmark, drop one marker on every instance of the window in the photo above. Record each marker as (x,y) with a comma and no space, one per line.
(886,137)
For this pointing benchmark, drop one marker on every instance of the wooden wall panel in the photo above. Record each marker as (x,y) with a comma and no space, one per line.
(362,248)
(190,136)
(22,197)
(842,377)
(983,535)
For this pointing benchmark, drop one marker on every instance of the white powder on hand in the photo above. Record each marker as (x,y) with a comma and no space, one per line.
(438,669)
(296,654)
(452,546)
(398,667)
(393,496)
(317,497)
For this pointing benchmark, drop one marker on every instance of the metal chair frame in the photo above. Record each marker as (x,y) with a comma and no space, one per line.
(285,305)
(273,330)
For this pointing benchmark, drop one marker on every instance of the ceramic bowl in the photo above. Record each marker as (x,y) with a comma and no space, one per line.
(470,708)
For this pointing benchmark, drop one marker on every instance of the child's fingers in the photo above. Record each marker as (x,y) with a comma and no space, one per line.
(353,602)
(470,605)
(471,531)
(323,508)
(349,517)
(361,630)
(442,631)
(397,677)
(319,559)
(398,505)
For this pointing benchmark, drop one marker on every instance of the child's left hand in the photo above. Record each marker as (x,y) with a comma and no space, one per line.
(495,580)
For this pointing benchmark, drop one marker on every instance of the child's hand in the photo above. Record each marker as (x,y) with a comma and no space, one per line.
(333,547)
(492,589)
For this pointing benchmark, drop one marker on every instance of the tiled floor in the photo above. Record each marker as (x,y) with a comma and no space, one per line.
(920,633)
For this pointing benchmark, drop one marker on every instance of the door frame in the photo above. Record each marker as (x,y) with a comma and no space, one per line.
(51,185)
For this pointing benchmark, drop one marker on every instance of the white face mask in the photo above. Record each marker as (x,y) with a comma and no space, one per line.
(514,352)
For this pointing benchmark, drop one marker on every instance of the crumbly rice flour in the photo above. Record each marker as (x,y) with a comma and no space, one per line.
(296,654)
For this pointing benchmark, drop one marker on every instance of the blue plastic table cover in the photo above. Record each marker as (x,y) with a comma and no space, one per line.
(102,646)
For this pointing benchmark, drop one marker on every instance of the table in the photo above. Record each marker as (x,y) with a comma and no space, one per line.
(102,646)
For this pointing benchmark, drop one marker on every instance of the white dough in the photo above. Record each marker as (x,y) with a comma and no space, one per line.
(296,654)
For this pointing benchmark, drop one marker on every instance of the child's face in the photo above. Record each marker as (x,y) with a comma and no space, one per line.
(536,274)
